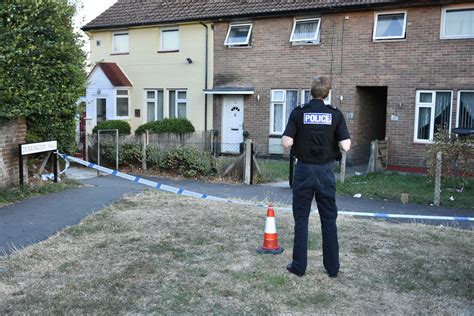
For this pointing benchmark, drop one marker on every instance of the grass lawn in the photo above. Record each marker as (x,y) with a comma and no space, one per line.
(391,185)
(160,253)
(273,170)
(10,195)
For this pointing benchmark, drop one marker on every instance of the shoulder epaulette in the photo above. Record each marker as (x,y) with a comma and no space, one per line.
(333,107)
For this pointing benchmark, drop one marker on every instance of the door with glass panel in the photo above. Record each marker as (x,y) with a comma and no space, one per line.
(101,109)
(232,123)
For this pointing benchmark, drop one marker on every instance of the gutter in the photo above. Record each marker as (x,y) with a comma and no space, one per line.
(206,74)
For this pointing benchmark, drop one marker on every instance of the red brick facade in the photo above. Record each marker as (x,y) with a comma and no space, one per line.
(11,134)
(355,62)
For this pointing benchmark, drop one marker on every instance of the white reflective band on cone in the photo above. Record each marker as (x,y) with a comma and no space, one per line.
(270,226)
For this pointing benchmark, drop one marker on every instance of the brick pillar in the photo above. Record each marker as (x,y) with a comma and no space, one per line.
(12,133)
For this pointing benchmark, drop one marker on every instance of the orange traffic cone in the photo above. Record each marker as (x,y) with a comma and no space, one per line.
(270,238)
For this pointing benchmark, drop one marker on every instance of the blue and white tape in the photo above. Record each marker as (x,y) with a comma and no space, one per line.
(184,192)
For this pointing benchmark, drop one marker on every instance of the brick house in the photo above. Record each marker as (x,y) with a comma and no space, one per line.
(399,69)
(12,133)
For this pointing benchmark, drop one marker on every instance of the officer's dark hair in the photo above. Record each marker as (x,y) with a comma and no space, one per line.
(320,87)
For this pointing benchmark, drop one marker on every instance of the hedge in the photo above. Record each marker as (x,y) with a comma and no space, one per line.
(168,125)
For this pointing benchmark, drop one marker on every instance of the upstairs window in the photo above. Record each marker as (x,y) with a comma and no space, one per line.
(122,108)
(465,109)
(238,35)
(390,26)
(120,43)
(305,31)
(457,22)
(433,112)
(169,39)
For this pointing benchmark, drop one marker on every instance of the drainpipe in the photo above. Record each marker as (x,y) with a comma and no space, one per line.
(205,76)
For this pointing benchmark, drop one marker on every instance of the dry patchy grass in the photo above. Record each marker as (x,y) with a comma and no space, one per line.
(159,253)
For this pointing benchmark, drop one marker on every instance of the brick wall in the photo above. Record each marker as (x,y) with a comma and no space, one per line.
(348,55)
(11,134)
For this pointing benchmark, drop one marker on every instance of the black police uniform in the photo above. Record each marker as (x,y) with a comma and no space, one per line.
(316,129)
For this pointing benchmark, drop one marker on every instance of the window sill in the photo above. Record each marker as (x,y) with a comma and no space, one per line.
(237,47)
(456,37)
(121,118)
(422,142)
(388,40)
(296,44)
(275,135)
(168,51)
(114,54)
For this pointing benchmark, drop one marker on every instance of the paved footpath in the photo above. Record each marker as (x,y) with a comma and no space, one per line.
(36,219)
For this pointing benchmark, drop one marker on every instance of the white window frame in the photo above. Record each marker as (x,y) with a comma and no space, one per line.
(117,96)
(246,42)
(177,100)
(283,112)
(458,105)
(443,21)
(389,38)
(113,42)
(327,100)
(155,101)
(432,106)
(314,40)
(167,29)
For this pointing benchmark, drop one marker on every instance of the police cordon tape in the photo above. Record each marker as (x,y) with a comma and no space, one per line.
(184,192)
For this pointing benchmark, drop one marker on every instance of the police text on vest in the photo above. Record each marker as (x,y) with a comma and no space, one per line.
(318,118)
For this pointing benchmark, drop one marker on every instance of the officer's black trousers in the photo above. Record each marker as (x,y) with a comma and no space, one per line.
(312,180)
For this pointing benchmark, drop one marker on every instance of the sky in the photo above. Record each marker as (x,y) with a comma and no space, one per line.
(87,10)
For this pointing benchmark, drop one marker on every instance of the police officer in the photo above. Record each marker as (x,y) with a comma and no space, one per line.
(317,133)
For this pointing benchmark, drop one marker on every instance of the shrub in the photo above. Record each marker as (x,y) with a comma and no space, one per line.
(188,161)
(168,125)
(129,153)
(41,69)
(457,156)
(153,155)
(122,126)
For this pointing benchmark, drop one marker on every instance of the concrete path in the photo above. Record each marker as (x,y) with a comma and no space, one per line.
(36,219)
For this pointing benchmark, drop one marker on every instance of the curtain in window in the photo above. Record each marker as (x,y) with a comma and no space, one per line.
(182,110)
(172,109)
(150,111)
(277,118)
(466,110)
(291,102)
(122,106)
(170,40)
(459,22)
(305,30)
(307,97)
(160,105)
(424,118)
(121,43)
(390,25)
(442,110)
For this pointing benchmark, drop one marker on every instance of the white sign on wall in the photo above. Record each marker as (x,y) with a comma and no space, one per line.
(28,149)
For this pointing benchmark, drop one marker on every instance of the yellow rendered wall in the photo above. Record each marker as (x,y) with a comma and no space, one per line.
(148,69)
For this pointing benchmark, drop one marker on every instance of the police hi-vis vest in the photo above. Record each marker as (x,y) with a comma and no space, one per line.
(315,140)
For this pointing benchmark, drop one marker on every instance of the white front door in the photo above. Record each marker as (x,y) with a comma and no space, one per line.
(232,123)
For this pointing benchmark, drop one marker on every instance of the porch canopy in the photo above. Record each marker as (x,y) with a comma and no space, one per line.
(230,90)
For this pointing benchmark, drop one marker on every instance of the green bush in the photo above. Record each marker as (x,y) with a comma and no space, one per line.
(41,69)
(122,126)
(129,153)
(153,155)
(188,161)
(168,125)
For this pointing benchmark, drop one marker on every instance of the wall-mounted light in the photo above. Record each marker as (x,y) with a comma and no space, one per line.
(258,97)
(190,61)
(98,91)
